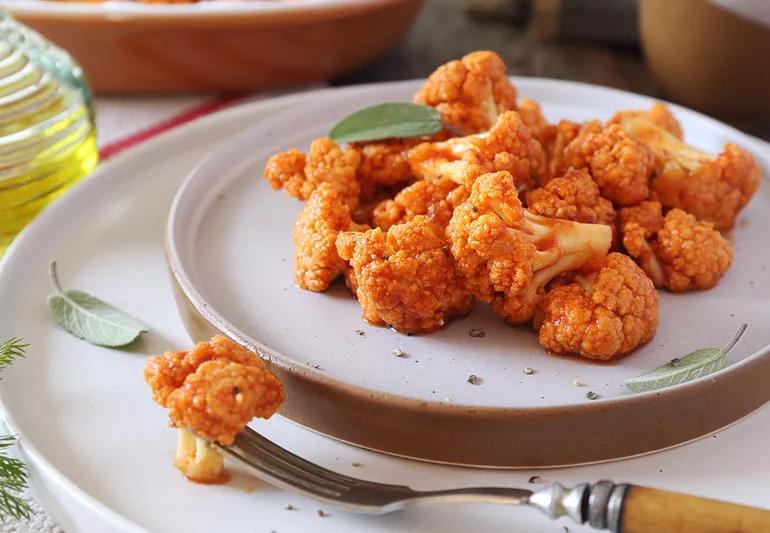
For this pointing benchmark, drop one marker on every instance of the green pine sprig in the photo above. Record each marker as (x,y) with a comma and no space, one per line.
(13,472)
(11,350)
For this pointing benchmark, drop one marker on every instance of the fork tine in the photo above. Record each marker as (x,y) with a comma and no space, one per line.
(252,439)
(256,445)
(290,472)
(278,476)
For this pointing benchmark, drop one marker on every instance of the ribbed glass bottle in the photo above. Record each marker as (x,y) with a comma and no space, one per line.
(47,136)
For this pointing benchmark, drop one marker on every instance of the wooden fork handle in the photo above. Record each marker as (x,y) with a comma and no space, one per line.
(658,511)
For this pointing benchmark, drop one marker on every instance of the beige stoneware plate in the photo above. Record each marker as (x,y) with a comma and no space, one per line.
(229,250)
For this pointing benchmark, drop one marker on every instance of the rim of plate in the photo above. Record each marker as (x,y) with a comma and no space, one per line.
(36,229)
(759,149)
(127,10)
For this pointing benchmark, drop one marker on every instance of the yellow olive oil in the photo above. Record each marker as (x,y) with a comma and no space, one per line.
(47,138)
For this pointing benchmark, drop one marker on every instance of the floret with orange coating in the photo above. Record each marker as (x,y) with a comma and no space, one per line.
(553,138)
(532,116)
(405,278)
(573,196)
(556,139)
(508,146)
(325,215)
(676,251)
(659,114)
(301,174)
(508,254)
(211,391)
(385,163)
(425,197)
(711,188)
(610,310)
(470,93)
(621,165)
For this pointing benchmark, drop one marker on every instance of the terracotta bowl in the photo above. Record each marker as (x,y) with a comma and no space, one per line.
(127,47)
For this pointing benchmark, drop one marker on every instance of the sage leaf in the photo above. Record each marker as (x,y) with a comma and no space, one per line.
(694,365)
(387,121)
(90,318)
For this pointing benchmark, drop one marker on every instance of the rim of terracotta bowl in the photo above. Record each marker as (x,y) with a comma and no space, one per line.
(128,11)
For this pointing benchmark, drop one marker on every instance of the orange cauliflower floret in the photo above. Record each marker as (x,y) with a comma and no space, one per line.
(659,114)
(425,197)
(316,263)
(385,163)
(556,139)
(553,138)
(620,165)
(573,196)
(405,278)
(508,254)
(508,146)
(677,251)
(211,392)
(470,93)
(713,189)
(610,310)
(532,116)
(301,174)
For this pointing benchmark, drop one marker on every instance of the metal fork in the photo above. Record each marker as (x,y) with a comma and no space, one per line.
(604,505)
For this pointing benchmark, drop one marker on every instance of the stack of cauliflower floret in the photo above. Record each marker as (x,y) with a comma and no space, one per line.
(567,226)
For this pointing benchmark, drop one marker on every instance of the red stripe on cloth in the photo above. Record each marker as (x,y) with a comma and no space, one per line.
(205,108)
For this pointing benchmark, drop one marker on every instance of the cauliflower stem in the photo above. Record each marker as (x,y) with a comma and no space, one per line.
(508,254)
(560,245)
(197,459)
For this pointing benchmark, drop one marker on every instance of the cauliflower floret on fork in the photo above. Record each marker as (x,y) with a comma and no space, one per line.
(508,146)
(711,188)
(299,174)
(676,251)
(211,391)
(470,93)
(508,254)
(405,277)
(610,310)
(325,215)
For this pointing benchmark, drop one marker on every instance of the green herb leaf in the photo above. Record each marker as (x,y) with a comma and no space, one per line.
(387,121)
(10,350)
(694,365)
(13,473)
(13,480)
(691,366)
(91,319)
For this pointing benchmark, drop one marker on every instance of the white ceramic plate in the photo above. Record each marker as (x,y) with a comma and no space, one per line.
(99,448)
(230,248)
